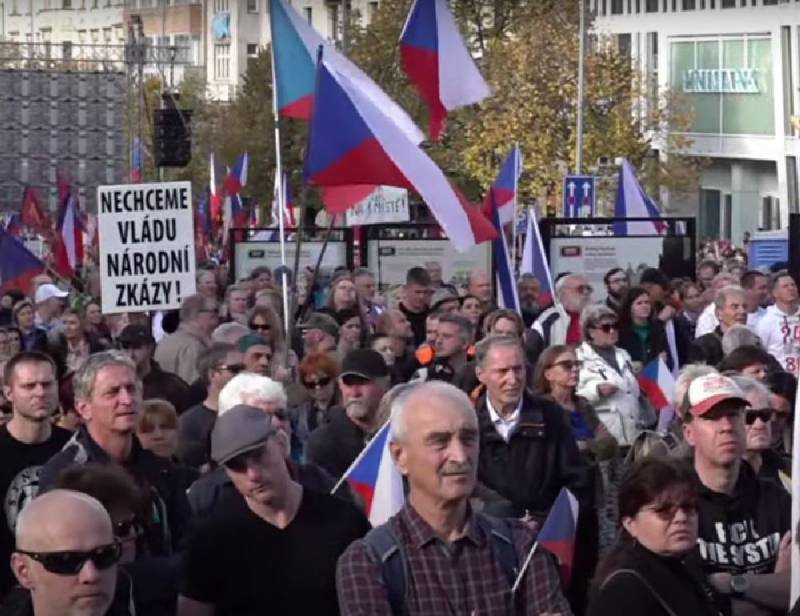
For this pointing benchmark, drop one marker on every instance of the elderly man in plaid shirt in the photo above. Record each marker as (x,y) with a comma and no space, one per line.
(451,559)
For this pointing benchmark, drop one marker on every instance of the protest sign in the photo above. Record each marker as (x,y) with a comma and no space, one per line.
(383,205)
(146,238)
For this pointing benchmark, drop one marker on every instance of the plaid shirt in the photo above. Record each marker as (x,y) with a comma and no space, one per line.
(463,578)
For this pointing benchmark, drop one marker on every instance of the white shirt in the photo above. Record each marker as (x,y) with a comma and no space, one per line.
(754,317)
(504,426)
(707,321)
(780,336)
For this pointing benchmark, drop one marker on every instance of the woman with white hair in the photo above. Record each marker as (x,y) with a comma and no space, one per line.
(607,380)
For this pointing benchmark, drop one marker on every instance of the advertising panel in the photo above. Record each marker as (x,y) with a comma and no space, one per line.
(251,254)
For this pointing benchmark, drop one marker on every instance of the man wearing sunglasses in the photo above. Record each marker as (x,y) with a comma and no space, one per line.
(257,354)
(138,343)
(66,557)
(274,549)
(743,520)
(217,365)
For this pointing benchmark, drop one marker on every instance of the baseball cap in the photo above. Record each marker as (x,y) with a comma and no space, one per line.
(47,291)
(706,391)
(241,429)
(654,276)
(321,321)
(251,340)
(135,335)
(366,363)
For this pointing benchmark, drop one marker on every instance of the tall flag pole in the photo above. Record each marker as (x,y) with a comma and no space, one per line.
(438,63)
(515,207)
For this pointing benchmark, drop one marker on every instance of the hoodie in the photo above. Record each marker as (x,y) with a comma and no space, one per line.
(780,335)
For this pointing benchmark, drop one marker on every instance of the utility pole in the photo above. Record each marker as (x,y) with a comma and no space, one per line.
(135,56)
(581,80)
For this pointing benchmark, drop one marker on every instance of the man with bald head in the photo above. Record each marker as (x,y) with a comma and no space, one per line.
(434,442)
(66,557)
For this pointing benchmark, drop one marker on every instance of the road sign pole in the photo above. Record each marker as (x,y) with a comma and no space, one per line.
(581,70)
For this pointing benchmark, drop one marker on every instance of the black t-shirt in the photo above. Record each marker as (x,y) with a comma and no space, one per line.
(741,532)
(20,465)
(417,320)
(245,566)
(194,435)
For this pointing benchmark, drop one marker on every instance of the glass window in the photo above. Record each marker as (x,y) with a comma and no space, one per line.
(252,6)
(688,5)
(307,11)
(651,6)
(616,7)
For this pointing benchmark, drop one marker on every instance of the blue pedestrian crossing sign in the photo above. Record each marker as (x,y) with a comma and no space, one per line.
(580,196)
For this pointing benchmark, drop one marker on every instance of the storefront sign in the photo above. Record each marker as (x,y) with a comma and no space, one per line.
(721,80)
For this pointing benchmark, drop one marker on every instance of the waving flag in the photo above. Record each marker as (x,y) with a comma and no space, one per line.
(215,198)
(376,479)
(33,216)
(558,531)
(14,225)
(657,383)
(633,202)
(534,261)
(295,46)
(68,251)
(237,177)
(500,204)
(137,161)
(438,63)
(203,214)
(352,141)
(18,265)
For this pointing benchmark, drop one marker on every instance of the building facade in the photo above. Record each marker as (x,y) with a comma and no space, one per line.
(737,63)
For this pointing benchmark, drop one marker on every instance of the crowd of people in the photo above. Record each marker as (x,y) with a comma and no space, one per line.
(191,462)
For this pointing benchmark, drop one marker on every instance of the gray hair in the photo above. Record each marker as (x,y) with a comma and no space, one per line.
(721,297)
(483,347)
(248,386)
(398,427)
(685,377)
(85,377)
(724,277)
(592,315)
(749,385)
(385,405)
(738,336)
(194,305)
(229,333)
(465,327)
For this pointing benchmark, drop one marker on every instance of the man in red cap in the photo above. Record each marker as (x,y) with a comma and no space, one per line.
(743,521)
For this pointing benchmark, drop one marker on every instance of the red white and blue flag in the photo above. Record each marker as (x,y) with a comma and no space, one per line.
(499,207)
(215,196)
(295,46)
(376,479)
(33,216)
(535,262)
(237,177)
(657,383)
(438,63)
(18,265)
(557,535)
(353,141)
(69,251)
(633,202)
(14,225)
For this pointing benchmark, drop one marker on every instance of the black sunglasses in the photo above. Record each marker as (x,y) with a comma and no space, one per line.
(751,415)
(319,384)
(71,562)
(569,364)
(260,326)
(232,368)
(607,327)
(667,511)
(122,530)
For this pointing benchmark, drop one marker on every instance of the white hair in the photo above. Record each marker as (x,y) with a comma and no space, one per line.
(249,386)
(398,427)
(229,333)
(749,385)
(737,336)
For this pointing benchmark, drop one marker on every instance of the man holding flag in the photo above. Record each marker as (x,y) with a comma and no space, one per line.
(434,442)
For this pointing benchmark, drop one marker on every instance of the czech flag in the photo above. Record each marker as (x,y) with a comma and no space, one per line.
(295,46)
(657,383)
(215,198)
(353,141)
(557,535)
(438,63)
(237,177)
(633,202)
(500,203)
(69,250)
(18,265)
(376,479)
(14,225)
(534,261)
(33,216)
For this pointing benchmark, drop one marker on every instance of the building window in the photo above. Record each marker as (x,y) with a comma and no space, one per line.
(66,4)
(222,61)
(333,22)
(372,11)
(651,6)
(770,213)
(688,5)
(307,11)
(624,45)
(616,7)
(728,4)
(252,6)
(252,55)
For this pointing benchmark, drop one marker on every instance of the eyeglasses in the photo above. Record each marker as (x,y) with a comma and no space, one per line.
(569,364)
(232,368)
(607,327)
(122,530)
(318,384)
(72,561)
(260,326)
(667,511)
(751,415)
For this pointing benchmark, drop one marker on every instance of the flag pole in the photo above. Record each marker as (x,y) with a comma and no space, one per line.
(517,171)
(359,457)
(281,204)
(524,567)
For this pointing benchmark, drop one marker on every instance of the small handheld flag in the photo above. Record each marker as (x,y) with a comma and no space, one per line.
(657,383)
(534,261)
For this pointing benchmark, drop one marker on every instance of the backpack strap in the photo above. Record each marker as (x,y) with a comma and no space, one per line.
(498,530)
(387,551)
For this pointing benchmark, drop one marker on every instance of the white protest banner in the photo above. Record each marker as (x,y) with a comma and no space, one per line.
(146,237)
(383,205)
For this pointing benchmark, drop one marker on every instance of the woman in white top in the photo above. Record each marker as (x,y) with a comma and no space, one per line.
(607,380)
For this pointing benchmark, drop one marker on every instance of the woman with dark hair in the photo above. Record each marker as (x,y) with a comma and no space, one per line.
(317,374)
(783,387)
(471,308)
(342,294)
(34,338)
(351,331)
(640,332)
(652,569)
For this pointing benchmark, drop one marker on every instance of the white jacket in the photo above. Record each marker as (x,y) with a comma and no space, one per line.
(620,412)
(552,325)
(780,335)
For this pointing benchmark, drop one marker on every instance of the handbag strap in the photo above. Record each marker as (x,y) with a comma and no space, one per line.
(646,584)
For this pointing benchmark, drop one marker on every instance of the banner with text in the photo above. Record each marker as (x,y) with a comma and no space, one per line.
(386,204)
(146,237)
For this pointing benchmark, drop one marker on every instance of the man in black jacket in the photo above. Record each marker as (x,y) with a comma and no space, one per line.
(528,452)
(108,397)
